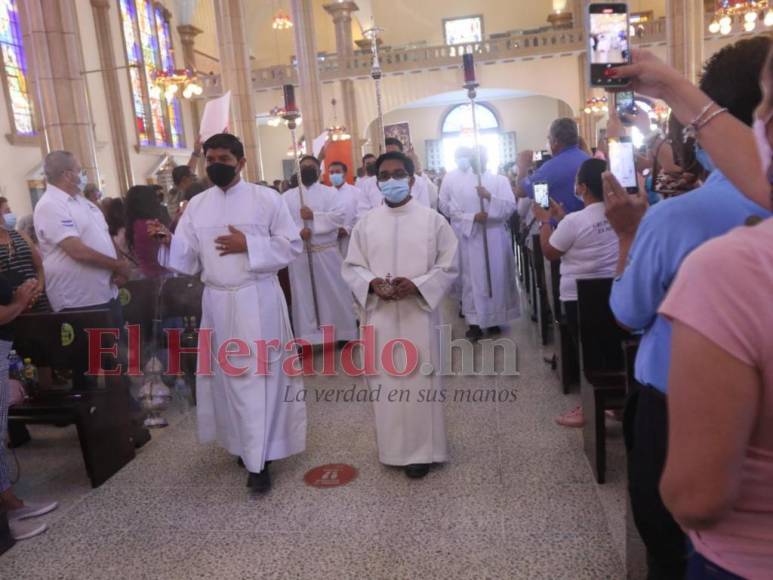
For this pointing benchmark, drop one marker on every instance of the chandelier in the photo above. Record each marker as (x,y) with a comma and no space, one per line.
(281,21)
(169,83)
(276,117)
(753,11)
(337,132)
(596,106)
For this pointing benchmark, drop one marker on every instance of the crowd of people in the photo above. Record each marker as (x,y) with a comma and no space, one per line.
(688,252)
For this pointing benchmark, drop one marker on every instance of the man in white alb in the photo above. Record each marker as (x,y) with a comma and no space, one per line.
(350,195)
(319,212)
(402,260)
(484,308)
(238,236)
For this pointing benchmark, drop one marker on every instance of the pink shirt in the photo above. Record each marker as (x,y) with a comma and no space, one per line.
(724,291)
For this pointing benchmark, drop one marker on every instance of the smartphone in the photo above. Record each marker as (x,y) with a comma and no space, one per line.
(622,163)
(625,105)
(608,42)
(541,194)
(536,156)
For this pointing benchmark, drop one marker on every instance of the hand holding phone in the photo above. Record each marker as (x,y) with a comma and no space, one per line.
(622,163)
(541,195)
(608,42)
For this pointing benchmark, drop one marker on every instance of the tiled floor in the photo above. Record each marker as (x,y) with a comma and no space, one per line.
(517,500)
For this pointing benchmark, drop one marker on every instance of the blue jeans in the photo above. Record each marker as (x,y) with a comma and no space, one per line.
(700,568)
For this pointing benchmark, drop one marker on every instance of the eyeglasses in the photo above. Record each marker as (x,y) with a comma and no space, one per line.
(397,174)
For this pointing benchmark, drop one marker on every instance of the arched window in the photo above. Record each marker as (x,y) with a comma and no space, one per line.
(459,119)
(14,71)
(457,131)
(148,44)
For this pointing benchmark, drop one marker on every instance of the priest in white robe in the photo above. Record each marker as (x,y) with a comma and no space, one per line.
(237,236)
(413,248)
(481,310)
(318,218)
(350,195)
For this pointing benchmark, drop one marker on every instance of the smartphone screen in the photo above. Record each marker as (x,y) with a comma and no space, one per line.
(622,163)
(608,42)
(625,104)
(541,194)
(537,156)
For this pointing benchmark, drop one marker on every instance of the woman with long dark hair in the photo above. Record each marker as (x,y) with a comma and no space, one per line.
(142,205)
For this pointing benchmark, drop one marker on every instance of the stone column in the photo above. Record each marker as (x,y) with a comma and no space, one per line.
(235,71)
(188,33)
(684,35)
(308,71)
(52,43)
(586,123)
(342,19)
(120,142)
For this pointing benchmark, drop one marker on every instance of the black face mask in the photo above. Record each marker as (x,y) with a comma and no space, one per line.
(370,169)
(221,174)
(309,176)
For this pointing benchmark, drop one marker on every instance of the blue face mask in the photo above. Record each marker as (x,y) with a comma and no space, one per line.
(337,179)
(704,159)
(395,190)
(463,163)
(10,221)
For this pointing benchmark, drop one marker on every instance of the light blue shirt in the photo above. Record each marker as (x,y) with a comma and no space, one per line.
(669,231)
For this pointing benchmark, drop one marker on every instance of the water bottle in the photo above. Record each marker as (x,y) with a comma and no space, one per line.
(30,375)
(14,366)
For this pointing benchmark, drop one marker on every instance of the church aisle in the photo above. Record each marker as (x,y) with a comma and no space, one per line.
(516,501)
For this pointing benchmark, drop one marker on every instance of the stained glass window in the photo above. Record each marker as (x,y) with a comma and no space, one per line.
(15,69)
(148,44)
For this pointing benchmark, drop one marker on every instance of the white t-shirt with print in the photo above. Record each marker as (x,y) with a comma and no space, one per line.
(590,248)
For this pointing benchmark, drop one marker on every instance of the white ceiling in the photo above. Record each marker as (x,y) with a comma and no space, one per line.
(458,97)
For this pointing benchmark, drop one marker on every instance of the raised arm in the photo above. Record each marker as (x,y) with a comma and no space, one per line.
(729,142)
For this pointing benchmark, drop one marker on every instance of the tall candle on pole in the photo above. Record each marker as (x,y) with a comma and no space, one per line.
(471,84)
(372,34)
(291,114)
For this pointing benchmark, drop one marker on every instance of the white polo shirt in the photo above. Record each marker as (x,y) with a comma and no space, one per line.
(69,283)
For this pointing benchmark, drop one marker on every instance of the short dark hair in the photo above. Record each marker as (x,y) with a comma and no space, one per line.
(225,141)
(179,173)
(368,156)
(307,157)
(394,141)
(731,77)
(340,164)
(397,156)
(589,175)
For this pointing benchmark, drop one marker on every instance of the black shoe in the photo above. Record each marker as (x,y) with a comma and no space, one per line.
(493,330)
(417,470)
(474,333)
(461,314)
(259,482)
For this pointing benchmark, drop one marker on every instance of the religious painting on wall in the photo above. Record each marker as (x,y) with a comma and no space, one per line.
(463,30)
(400,131)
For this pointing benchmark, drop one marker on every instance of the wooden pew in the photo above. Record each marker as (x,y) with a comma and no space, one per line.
(566,357)
(540,292)
(101,414)
(603,370)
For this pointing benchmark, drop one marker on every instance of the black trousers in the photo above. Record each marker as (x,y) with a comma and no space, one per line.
(573,322)
(645,428)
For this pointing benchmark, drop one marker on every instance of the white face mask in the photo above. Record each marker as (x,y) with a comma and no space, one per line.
(763,145)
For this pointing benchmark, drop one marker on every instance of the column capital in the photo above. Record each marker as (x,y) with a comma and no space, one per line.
(340,10)
(187,31)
